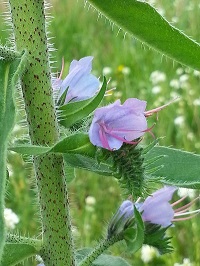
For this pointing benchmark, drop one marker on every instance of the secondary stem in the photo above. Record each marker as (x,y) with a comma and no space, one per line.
(103,245)
(28,17)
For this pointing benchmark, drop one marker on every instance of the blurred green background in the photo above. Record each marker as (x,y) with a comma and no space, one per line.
(77,30)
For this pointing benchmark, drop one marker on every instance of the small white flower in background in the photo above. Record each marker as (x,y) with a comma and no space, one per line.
(179,71)
(156,89)
(126,71)
(182,192)
(157,76)
(174,83)
(186,262)
(196,102)
(183,78)
(107,71)
(11,219)
(175,19)
(174,95)
(179,120)
(190,136)
(90,200)
(117,94)
(148,253)
(113,83)
(196,73)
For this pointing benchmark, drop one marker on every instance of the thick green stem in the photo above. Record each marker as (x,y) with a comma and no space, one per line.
(28,17)
(103,245)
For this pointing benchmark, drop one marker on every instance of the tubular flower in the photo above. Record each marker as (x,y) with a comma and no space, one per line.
(156,209)
(117,123)
(79,84)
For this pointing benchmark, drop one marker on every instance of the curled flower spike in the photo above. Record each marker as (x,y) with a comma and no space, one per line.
(79,84)
(122,218)
(115,124)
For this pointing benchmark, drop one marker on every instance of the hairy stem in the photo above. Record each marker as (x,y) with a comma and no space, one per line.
(28,17)
(103,245)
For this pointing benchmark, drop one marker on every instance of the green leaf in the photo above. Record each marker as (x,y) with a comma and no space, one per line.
(135,243)
(9,74)
(178,167)
(102,260)
(30,149)
(77,143)
(70,173)
(148,26)
(15,253)
(108,260)
(73,112)
(88,163)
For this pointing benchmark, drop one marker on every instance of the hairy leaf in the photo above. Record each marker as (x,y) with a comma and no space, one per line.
(142,21)
(176,167)
(102,260)
(15,253)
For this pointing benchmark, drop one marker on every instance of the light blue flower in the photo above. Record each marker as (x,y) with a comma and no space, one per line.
(79,83)
(156,209)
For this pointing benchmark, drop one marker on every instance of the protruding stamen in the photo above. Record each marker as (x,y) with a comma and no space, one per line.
(186,207)
(156,110)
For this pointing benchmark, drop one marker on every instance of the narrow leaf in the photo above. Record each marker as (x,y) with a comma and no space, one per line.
(143,21)
(179,168)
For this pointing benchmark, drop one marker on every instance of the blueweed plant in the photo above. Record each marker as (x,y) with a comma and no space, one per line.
(106,140)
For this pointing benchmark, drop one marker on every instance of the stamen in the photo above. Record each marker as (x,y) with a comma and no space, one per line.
(196,212)
(187,206)
(186,213)
(109,92)
(178,201)
(156,110)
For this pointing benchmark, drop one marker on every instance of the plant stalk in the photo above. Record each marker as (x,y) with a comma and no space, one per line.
(29,27)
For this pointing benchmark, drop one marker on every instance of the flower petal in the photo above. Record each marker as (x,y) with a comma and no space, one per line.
(156,208)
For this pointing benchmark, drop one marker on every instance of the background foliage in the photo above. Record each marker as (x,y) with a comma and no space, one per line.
(79,32)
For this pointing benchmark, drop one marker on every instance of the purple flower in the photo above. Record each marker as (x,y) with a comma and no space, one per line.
(117,123)
(79,83)
(156,208)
